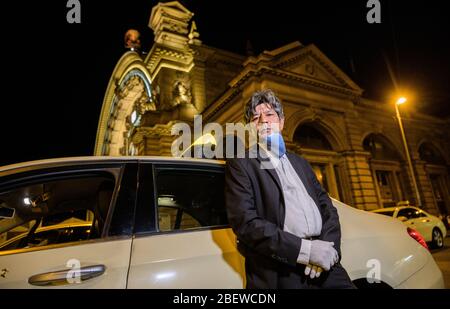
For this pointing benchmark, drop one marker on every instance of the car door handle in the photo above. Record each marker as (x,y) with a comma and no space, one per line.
(61,277)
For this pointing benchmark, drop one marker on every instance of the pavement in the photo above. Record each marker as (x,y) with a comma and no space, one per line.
(442,258)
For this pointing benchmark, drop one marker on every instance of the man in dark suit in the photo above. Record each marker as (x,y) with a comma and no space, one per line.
(287,228)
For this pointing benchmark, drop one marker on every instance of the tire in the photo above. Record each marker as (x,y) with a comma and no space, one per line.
(437,238)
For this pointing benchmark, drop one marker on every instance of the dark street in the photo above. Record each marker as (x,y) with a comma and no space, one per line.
(442,258)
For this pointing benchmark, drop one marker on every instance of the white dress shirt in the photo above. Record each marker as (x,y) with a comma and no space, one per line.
(302,216)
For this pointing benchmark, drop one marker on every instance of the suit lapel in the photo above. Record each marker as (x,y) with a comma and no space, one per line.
(274,175)
(272,172)
(301,173)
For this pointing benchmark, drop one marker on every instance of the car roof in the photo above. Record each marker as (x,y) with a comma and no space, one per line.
(12,168)
(394,208)
(384,209)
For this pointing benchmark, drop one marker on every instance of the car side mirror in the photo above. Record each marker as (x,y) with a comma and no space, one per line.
(6,212)
(402,218)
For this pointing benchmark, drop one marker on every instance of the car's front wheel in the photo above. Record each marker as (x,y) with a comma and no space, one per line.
(438,239)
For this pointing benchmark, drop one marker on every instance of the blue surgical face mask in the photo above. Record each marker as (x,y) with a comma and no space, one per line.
(275,143)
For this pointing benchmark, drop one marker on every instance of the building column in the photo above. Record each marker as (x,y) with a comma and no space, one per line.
(198,85)
(154,141)
(425,187)
(362,186)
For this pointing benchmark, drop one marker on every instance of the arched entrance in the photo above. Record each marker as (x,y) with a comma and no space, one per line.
(128,97)
(318,146)
(387,170)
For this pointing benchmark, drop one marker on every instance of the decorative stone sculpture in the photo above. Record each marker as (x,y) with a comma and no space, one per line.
(181,93)
(132,40)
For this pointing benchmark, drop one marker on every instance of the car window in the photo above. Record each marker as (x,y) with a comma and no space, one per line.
(421,214)
(405,212)
(53,235)
(409,213)
(417,214)
(12,238)
(73,208)
(189,199)
(175,218)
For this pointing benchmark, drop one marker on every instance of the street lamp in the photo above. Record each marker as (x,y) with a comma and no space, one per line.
(400,101)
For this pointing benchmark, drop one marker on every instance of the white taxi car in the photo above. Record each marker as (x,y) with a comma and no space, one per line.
(153,222)
(430,227)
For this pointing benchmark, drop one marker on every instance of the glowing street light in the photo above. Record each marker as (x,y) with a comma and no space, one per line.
(400,101)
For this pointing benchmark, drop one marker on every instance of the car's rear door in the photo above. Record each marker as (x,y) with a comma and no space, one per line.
(182,238)
(97,258)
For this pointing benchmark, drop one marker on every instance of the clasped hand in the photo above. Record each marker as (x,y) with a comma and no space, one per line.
(322,257)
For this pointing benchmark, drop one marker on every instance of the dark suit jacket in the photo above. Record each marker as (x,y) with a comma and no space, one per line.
(256,211)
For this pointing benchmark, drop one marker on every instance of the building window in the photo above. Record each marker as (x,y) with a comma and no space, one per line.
(310,137)
(428,154)
(385,165)
(380,148)
(307,136)
(438,187)
(387,188)
(321,174)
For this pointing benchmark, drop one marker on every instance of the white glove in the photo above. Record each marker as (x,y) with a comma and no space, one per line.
(323,254)
(313,271)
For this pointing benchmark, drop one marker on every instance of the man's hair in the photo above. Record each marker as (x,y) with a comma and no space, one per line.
(261,97)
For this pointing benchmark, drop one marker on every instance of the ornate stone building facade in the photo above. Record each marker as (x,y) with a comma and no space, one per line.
(353,143)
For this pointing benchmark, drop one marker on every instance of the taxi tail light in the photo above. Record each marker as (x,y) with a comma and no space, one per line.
(418,237)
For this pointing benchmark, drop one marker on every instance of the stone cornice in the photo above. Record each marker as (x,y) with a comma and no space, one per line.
(233,57)
(294,52)
(304,80)
(156,130)
(355,153)
(160,56)
(313,52)
(255,71)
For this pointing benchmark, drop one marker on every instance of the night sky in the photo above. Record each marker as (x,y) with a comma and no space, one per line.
(57,73)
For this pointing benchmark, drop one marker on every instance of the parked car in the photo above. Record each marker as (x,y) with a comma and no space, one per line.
(153,222)
(430,227)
